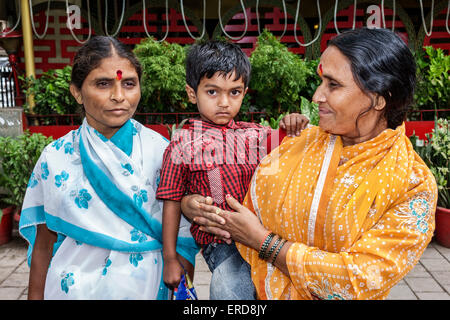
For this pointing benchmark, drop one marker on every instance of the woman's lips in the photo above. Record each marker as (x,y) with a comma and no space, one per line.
(118,111)
(324,111)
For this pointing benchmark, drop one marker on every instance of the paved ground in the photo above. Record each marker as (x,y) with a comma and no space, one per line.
(429,280)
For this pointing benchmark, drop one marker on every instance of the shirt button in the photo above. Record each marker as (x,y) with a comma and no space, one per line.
(209,165)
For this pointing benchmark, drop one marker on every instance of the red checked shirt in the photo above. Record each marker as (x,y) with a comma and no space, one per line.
(212,160)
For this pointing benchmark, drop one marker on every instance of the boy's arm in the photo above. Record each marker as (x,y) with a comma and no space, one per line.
(294,123)
(40,260)
(170,224)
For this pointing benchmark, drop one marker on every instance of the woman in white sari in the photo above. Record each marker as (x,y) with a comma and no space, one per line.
(90,214)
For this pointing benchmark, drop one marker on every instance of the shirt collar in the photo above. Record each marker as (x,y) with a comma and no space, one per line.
(208,124)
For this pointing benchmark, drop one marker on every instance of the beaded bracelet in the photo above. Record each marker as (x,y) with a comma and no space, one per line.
(278,251)
(265,245)
(272,249)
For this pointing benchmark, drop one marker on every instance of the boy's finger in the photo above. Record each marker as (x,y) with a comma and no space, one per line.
(287,122)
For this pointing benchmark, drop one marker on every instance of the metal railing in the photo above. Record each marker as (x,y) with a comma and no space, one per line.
(7,86)
(428,114)
(144,118)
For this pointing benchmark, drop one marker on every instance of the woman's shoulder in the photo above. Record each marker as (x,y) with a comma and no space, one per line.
(308,135)
(151,135)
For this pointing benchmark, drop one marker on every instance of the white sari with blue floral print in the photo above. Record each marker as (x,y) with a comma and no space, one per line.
(98,195)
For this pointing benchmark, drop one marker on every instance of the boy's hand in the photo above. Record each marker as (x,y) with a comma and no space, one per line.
(294,123)
(172,272)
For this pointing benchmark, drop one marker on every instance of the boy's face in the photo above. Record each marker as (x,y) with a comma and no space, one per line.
(219,98)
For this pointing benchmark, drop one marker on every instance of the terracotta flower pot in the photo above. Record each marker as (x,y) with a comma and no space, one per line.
(6,225)
(442,231)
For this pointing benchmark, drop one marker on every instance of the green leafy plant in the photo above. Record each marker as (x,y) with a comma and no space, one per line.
(435,152)
(274,123)
(164,77)
(433,79)
(279,77)
(51,93)
(174,127)
(18,157)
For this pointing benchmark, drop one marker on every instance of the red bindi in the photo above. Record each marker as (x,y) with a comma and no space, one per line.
(119,75)
(320,70)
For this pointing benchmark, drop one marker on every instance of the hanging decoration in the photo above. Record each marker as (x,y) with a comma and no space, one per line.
(120,21)
(40,36)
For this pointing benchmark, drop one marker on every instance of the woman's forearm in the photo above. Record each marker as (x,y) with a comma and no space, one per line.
(40,261)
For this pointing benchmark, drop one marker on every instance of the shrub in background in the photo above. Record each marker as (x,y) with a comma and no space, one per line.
(18,157)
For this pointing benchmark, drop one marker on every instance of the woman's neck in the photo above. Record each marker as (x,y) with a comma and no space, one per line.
(365,136)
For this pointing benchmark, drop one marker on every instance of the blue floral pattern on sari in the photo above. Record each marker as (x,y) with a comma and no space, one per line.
(61,178)
(140,197)
(44,170)
(67,281)
(135,258)
(68,148)
(108,262)
(33,181)
(128,169)
(58,144)
(82,199)
(138,236)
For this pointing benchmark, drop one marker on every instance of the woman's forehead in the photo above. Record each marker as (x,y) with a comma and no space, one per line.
(110,66)
(334,63)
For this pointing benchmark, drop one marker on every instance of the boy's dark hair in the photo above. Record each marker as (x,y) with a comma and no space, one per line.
(205,59)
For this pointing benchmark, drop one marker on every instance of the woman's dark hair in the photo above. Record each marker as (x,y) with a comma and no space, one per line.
(382,64)
(90,55)
(205,59)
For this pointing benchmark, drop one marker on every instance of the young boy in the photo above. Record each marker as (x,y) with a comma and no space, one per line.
(214,157)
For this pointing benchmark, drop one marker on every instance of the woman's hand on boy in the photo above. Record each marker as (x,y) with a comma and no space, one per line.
(200,210)
(294,123)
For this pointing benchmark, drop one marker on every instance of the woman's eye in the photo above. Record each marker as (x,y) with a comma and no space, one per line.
(333,84)
(129,84)
(102,84)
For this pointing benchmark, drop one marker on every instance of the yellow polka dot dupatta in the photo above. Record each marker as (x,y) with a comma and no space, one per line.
(359,216)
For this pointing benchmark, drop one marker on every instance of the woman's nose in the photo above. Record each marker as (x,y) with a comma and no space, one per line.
(117,92)
(319,95)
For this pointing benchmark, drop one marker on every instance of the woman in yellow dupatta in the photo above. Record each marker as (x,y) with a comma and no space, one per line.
(346,209)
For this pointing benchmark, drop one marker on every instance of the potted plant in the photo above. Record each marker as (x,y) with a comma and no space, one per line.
(279,79)
(164,76)
(436,154)
(17,159)
(51,94)
(433,81)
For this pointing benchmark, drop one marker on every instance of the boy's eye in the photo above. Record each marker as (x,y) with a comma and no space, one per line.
(235,92)
(211,92)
